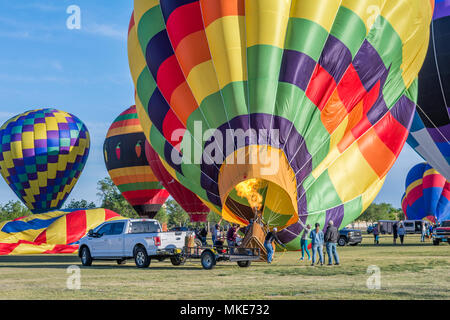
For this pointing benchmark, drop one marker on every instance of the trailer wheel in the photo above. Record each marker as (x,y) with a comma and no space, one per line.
(208,260)
(244,264)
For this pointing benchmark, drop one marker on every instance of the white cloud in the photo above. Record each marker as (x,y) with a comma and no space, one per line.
(109,31)
(15,34)
(39,6)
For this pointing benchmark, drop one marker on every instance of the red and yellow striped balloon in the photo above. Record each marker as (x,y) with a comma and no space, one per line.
(128,167)
(51,232)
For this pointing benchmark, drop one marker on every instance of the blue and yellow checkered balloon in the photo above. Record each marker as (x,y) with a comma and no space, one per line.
(42,154)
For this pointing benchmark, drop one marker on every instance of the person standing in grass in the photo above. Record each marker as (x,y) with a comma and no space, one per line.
(401,232)
(331,237)
(304,243)
(214,232)
(268,243)
(424,232)
(317,238)
(376,234)
(231,237)
(394,232)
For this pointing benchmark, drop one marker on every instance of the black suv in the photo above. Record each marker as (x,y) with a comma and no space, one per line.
(349,236)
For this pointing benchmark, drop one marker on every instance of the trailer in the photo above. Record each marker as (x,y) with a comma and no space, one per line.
(209,256)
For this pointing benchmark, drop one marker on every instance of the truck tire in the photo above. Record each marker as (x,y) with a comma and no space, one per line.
(121,261)
(208,260)
(141,257)
(244,264)
(436,242)
(342,241)
(86,258)
(177,260)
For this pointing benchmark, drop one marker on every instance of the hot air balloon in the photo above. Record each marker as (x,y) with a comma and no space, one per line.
(290,110)
(128,167)
(427,194)
(50,232)
(198,212)
(430,131)
(42,154)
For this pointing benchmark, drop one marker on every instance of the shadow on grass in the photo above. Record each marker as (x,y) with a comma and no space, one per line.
(40,259)
(354,270)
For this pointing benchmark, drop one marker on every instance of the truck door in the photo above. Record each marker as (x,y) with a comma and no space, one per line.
(115,240)
(98,244)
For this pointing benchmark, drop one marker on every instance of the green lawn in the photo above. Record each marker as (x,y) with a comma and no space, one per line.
(412,271)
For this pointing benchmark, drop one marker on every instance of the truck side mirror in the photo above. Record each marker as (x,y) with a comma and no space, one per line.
(91,233)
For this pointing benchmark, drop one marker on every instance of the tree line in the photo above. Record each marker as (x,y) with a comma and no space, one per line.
(171,212)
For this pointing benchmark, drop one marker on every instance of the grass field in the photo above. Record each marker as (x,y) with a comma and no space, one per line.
(411,271)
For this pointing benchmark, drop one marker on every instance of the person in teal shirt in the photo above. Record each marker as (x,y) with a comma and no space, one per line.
(304,243)
(317,239)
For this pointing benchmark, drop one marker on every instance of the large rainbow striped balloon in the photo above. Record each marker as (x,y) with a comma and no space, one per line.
(42,154)
(324,92)
(124,154)
(427,194)
(50,232)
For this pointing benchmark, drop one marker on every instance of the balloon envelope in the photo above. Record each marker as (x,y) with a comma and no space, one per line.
(321,92)
(198,212)
(128,167)
(50,232)
(430,131)
(42,154)
(427,194)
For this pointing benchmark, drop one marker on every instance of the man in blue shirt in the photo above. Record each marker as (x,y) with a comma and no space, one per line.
(317,237)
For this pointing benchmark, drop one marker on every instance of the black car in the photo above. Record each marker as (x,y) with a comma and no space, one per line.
(349,236)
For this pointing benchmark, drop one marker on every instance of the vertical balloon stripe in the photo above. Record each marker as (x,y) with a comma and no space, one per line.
(225,31)
(163,63)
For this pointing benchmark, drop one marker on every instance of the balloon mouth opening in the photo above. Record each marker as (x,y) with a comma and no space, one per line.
(259,200)
(266,187)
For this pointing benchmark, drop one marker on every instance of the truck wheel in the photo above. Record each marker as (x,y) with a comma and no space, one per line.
(342,241)
(141,257)
(121,261)
(208,260)
(177,260)
(86,259)
(436,242)
(244,264)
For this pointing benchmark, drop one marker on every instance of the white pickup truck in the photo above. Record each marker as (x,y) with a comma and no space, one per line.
(140,239)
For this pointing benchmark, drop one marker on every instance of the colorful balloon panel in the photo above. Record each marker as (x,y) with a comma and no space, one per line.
(124,154)
(427,194)
(51,232)
(430,132)
(198,212)
(326,90)
(42,154)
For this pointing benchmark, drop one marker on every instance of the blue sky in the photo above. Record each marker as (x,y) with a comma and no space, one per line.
(85,72)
